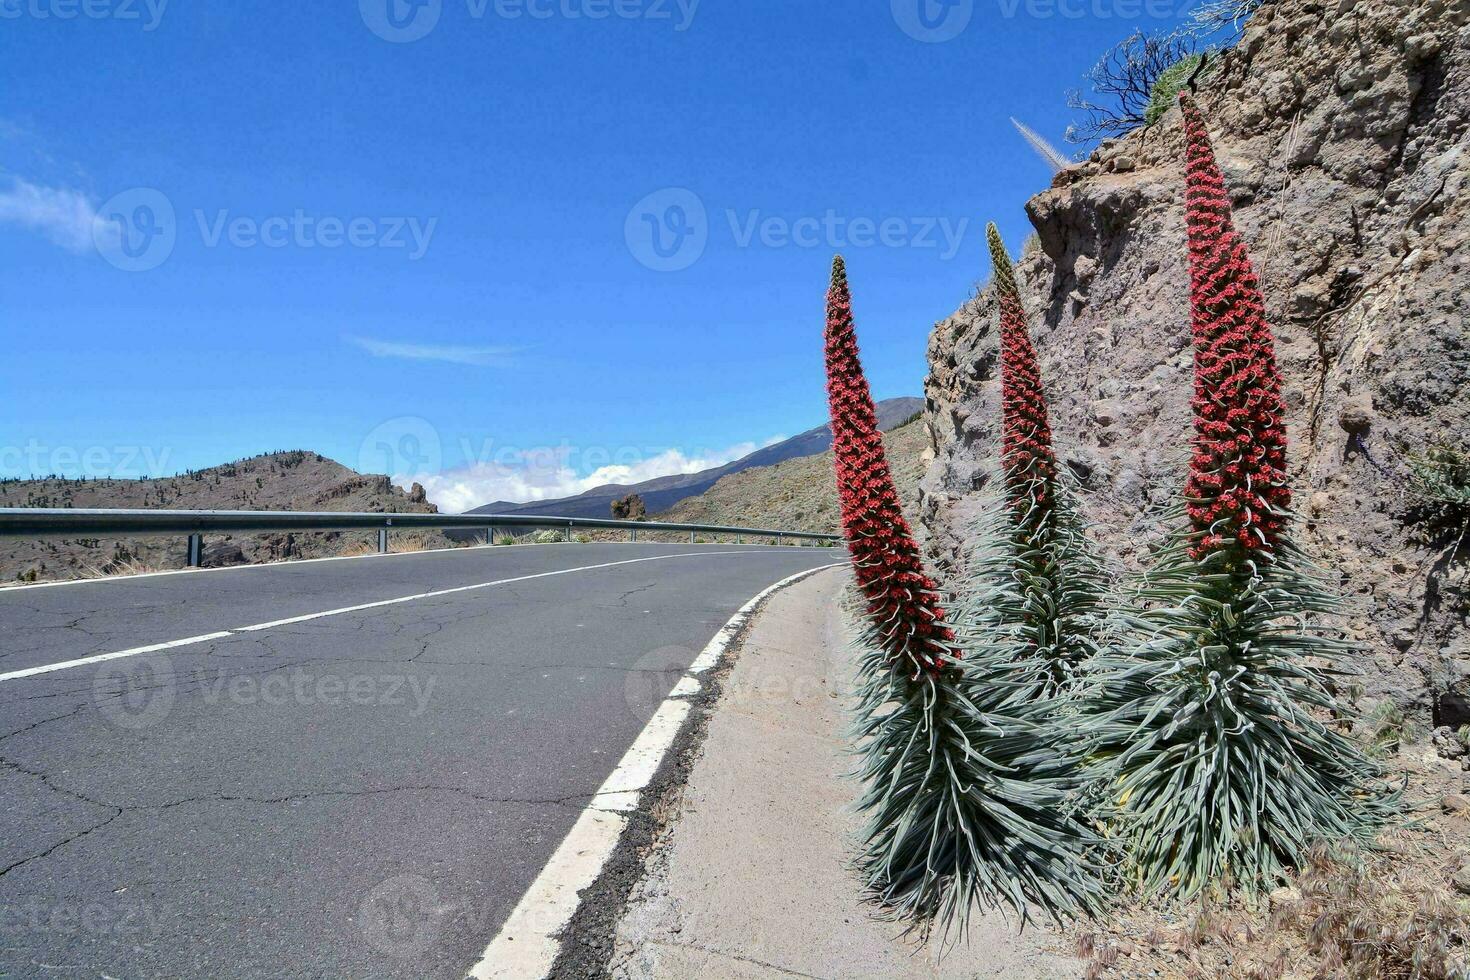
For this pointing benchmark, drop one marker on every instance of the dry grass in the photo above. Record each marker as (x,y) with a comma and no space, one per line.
(1389,914)
(120,568)
(404,544)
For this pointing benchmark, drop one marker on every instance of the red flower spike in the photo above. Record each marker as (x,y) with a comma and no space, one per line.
(903,602)
(1027,456)
(1237,479)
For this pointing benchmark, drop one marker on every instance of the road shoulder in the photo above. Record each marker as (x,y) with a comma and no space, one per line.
(746,874)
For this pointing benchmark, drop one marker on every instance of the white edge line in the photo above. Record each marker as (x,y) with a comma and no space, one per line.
(528,943)
(104,657)
(290,562)
(210,637)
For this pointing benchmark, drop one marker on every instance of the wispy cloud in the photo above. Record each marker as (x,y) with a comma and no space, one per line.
(67,217)
(546,474)
(448,354)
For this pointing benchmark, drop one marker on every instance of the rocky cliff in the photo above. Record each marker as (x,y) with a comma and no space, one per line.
(1342,130)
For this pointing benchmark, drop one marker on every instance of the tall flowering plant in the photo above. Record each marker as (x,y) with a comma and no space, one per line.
(966,803)
(900,599)
(1214,709)
(1030,605)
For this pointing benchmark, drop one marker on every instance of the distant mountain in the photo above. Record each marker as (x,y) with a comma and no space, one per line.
(661,494)
(801,494)
(278,481)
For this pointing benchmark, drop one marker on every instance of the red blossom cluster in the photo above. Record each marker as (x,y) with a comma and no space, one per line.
(1026,450)
(1237,481)
(903,602)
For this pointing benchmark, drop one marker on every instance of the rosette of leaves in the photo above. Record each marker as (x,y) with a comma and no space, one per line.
(1215,709)
(966,806)
(1032,597)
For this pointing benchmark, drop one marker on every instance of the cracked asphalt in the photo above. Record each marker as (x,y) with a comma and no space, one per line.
(363,795)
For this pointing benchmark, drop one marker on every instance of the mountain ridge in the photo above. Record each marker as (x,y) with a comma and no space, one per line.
(664,492)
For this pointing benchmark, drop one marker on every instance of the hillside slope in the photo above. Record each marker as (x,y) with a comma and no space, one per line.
(665,492)
(279,481)
(800,494)
(1341,129)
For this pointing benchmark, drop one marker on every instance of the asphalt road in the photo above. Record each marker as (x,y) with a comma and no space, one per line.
(365,794)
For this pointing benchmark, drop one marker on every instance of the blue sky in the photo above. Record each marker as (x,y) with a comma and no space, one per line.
(510,246)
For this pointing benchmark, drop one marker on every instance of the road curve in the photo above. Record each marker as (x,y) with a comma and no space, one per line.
(326,769)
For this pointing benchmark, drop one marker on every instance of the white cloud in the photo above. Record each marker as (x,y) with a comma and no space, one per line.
(477,356)
(65,216)
(546,475)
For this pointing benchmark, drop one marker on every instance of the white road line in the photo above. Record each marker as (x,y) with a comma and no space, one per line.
(104,657)
(292,562)
(210,637)
(528,944)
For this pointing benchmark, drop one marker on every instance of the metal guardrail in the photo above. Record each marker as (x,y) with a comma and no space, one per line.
(32,522)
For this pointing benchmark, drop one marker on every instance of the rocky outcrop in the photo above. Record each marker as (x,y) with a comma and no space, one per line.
(279,481)
(1344,132)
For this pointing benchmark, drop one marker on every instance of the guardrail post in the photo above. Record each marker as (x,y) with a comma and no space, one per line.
(196,550)
(489,536)
(382,541)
